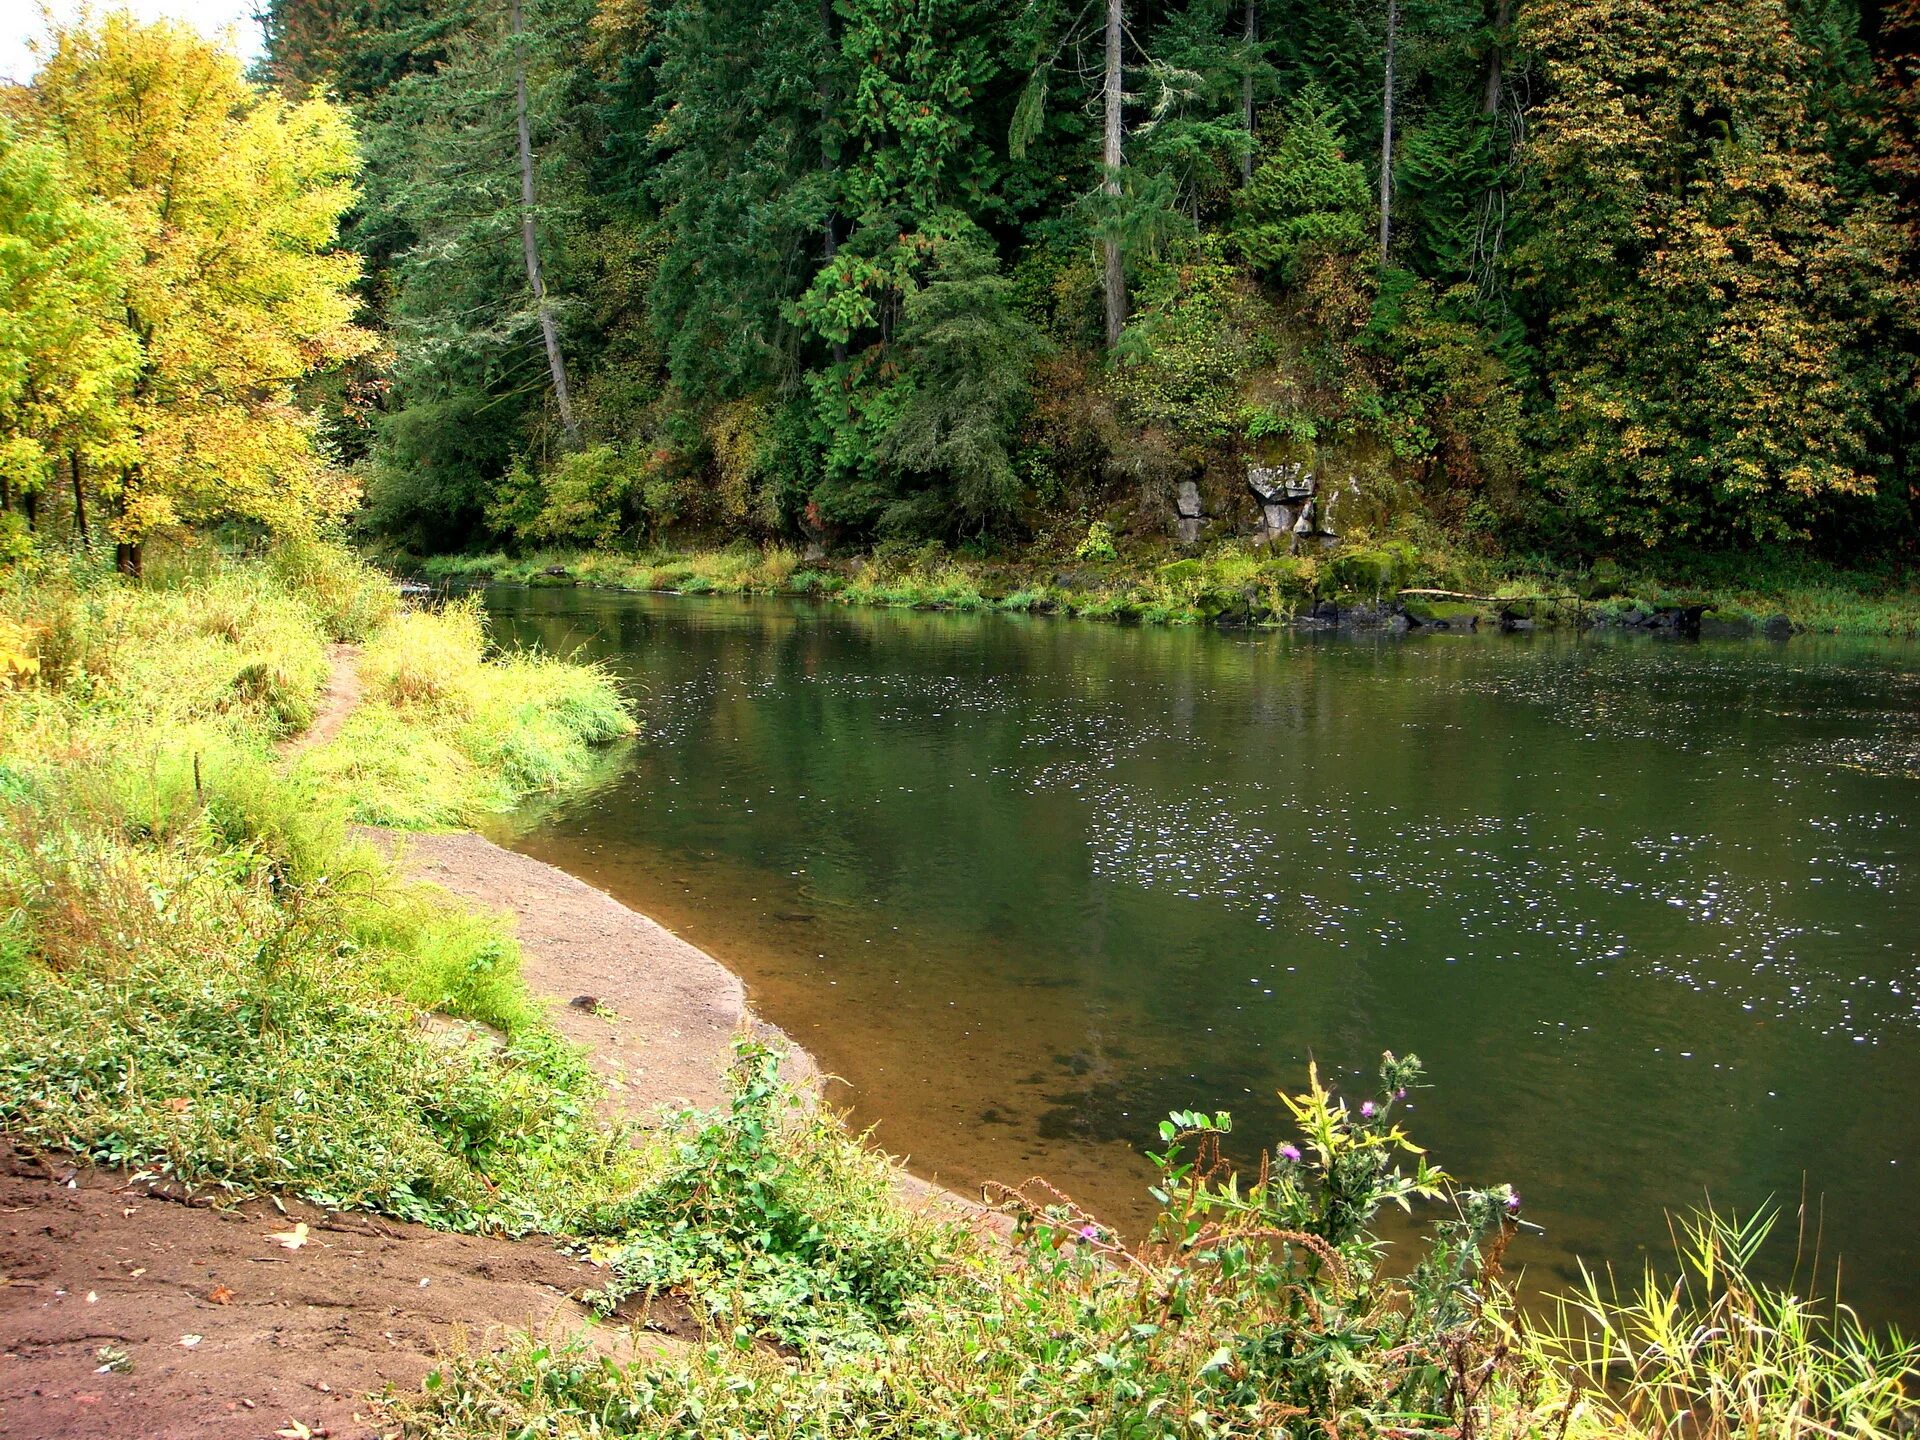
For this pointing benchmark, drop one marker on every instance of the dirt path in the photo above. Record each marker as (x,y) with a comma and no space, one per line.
(96,1272)
(306,1334)
(337,698)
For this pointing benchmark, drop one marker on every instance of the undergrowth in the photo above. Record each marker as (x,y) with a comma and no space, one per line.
(1257,1306)
(1233,581)
(202,974)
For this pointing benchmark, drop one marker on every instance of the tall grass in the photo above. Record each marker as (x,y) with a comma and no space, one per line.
(201,974)
(1715,1353)
(447,732)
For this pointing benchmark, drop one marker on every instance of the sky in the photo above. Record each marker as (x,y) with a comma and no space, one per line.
(20,22)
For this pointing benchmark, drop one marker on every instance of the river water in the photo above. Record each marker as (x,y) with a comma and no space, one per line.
(1648,910)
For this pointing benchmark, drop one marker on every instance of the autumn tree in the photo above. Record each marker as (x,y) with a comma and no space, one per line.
(234,290)
(1705,298)
(67,361)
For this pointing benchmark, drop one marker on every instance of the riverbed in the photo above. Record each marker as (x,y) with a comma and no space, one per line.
(1648,910)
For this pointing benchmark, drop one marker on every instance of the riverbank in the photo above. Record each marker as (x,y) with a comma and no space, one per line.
(210,981)
(1394,585)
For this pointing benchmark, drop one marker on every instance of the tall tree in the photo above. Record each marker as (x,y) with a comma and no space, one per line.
(1386,129)
(1113,100)
(1712,312)
(67,360)
(235,292)
(529,242)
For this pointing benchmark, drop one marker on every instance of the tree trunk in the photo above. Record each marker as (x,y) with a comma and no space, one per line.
(1110,158)
(1246,89)
(126,558)
(30,502)
(79,499)
(1497,56)
(1386,134)
(830,243)
(550,333)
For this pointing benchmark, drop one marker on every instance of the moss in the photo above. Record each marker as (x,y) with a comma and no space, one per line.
(1451,613)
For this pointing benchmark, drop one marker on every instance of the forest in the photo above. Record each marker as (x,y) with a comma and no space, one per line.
(1559,278)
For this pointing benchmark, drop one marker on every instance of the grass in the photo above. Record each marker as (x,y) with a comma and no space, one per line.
(447,731)
(1234,581)
(201,973)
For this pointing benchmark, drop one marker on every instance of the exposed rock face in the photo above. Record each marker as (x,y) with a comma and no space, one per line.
(1285,493)
(1188,512)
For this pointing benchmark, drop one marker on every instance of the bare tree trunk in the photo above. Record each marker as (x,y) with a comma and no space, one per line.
(1246,90)
(1111,158)
(831,243)
(126,553)
(1496,57)
(549,332)
(1386,134)
(30,502)
(79,499)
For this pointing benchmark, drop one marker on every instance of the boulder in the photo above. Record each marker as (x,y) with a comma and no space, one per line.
(1441,614)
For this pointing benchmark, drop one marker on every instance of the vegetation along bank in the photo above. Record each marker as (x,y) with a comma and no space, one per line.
(1003,279)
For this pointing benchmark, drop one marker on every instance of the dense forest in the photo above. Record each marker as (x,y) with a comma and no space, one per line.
(1558,276)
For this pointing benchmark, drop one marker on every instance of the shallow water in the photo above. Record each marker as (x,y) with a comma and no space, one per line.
(1649,911)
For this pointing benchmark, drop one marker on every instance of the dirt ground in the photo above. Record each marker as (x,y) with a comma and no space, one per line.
(129,1313)
(126,1313)
(657,1016)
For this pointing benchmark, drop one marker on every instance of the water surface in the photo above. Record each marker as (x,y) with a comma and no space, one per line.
(1647,910)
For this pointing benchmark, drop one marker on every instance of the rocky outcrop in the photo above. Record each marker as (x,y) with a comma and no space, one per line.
(1188,511)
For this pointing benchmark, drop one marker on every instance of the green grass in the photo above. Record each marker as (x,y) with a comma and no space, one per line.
(1236,579)
(201,974)
(447,732)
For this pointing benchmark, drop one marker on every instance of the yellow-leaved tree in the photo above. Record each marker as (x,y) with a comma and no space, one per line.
(234,290)
(66,359)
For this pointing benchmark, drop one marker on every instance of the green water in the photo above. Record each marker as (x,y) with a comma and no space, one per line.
(1648,910)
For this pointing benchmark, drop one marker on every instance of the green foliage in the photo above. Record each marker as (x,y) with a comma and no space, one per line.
(1305,198)
(1705,294)
(782,1224)
(1098,544)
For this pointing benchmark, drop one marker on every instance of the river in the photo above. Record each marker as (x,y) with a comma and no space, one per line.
(1648,910)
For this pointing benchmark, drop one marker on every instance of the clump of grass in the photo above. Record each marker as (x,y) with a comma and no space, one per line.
(786,1226)
(1718,1353)
(447,732)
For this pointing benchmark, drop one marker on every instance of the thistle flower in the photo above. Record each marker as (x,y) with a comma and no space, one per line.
(1089,1232)
(1290,1153)
(1513,1200)
(1366,1111)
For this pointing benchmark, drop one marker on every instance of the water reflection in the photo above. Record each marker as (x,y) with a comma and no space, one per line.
(1647,910)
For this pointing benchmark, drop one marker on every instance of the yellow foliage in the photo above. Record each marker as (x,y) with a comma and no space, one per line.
(230,199)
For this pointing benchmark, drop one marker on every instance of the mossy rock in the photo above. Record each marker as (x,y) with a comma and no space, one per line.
(1181,571)
(1370,571)
(1453,614)
(1224,607)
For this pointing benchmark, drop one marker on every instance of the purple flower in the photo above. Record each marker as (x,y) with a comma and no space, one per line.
(1291,1153)
(1513,1200)
(1366,1111)
(1089,1232)
(1401,1093)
